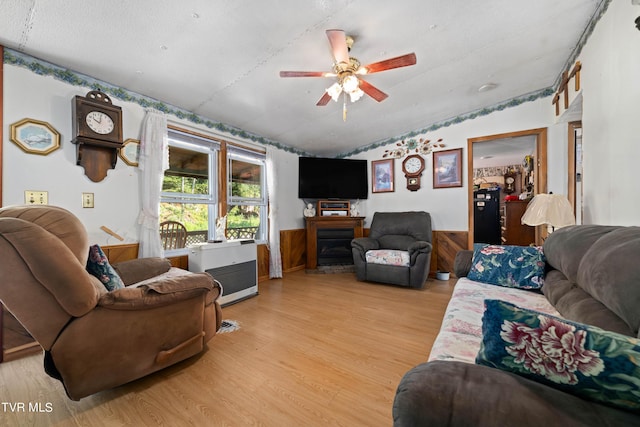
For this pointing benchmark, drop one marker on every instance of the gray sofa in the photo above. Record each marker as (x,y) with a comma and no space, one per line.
(409,232)
(593,277)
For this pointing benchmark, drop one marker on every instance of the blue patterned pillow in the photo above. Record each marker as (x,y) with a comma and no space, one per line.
(511,266)
(98,265)
(579,359)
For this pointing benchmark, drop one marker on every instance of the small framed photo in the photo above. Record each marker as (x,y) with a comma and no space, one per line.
(447,168)
(35,136)
(382,176)
(130,152)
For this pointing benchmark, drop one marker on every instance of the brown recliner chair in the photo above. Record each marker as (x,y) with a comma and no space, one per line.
(94,339)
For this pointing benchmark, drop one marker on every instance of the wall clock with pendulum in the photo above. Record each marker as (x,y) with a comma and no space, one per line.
(413,166)
(97,133)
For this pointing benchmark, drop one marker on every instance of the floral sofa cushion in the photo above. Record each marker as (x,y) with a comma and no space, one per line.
(461,331)
(577,358)
(388,257)
(511,266)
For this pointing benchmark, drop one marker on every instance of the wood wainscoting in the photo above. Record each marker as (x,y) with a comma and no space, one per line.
(445,246)
(293,244)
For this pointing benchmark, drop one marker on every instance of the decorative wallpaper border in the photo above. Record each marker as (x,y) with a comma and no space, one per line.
(45,68)
(456,120)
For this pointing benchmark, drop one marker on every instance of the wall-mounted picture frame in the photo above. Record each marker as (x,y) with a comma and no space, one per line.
(130,152)
(382,176)
(35,136)
(447,168)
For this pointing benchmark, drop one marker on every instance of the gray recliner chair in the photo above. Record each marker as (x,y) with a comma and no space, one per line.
(397,251)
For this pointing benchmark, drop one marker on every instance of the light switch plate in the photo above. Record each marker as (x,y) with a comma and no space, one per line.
(32,197)
(87,200)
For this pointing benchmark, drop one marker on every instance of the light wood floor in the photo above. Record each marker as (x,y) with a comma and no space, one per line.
(312,350)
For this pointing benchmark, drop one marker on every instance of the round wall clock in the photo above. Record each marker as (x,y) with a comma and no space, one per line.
(412,166)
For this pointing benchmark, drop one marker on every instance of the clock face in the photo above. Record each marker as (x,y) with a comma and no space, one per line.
(509,180)
(100,122)
(412,165)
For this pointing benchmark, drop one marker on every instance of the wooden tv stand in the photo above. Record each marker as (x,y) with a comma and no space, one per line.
(319,222)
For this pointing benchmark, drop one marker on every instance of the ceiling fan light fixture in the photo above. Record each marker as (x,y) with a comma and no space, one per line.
(350,83)
(356,94)
(334,91)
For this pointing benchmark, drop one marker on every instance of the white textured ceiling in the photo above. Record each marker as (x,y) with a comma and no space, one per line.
(220,59)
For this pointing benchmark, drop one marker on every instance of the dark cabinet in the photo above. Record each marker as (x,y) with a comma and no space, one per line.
(513,231)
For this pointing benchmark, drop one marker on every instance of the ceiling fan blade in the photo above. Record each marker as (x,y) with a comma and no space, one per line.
(372,91)
(324,100)
(388,64)
(304,74)
(338,42)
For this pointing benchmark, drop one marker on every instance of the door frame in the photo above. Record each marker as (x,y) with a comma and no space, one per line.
(540,175)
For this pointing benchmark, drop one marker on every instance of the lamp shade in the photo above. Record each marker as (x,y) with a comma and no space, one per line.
(551,209)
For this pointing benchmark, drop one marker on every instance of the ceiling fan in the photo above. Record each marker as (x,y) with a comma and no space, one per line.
(348,71)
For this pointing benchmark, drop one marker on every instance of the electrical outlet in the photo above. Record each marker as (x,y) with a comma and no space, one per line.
(87,200)
(36,197)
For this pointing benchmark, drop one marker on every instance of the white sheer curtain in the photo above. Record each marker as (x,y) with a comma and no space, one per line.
(275,259)
(153,161)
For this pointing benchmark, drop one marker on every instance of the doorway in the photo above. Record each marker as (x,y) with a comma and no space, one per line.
(536,170)
(575,169)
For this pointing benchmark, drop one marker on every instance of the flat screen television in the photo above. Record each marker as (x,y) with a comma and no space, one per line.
(325,178)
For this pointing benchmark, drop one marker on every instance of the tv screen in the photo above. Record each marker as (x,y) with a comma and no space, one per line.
(325,178)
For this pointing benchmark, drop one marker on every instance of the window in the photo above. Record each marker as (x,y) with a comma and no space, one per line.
(246,195)
(189,186)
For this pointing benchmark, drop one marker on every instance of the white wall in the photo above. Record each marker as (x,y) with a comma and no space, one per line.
(611,118)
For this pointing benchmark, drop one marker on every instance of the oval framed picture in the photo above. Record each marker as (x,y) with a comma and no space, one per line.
(130,151)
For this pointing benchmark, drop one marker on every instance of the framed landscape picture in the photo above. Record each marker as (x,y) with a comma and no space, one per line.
(447,168)
(35,136)
(382,176)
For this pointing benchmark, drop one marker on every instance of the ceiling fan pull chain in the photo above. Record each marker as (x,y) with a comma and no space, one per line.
(344,107)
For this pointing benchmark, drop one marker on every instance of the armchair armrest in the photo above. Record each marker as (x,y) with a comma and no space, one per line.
(462,263)
(137,270)
(365,244)
(161,293)
(421,246)
(418,247)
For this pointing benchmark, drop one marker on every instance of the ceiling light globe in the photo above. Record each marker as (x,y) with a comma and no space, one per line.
(356,94)
(350,84)
(334,91)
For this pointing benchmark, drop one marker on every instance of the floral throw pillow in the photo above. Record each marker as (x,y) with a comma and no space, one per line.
(580,359)
(98,265)
(511,266)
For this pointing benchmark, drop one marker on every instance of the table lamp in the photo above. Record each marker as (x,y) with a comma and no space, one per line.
(554,210)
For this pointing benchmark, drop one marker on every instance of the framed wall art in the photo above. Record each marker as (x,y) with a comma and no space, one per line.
(447,168)
(130,152)
(382,176)
(35,136)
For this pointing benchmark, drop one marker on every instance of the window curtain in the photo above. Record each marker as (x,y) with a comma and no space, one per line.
(153,161)
(275,259)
